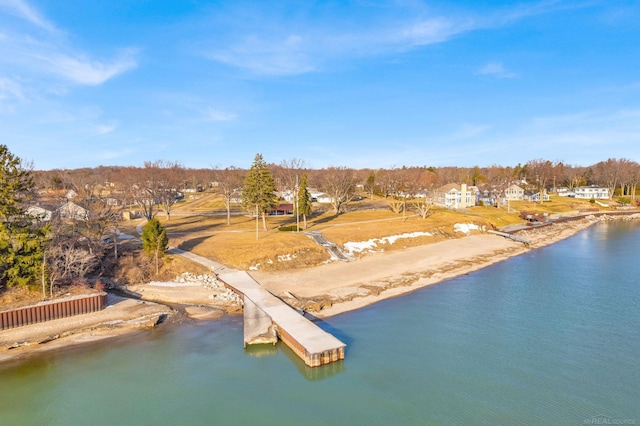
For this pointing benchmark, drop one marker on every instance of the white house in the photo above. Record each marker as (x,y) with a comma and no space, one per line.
(321,197)
(40,213)
(592,192)
(535,197)
(566,192)
(72,211)
(288,195)
(514,193)
(454,196)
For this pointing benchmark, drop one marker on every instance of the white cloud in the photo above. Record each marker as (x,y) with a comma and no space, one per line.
(435,30)
(10,94)
(49,60)
(274,45)
(496,69)
(467,131)
(10,89)
(23,10)
(583,137)
(284,56)
(103,129)
(217,115)
(86,71)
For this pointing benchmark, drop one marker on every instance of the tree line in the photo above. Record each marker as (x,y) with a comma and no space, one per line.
(159,184)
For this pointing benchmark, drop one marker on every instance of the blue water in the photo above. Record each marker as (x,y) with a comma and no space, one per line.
(549,337)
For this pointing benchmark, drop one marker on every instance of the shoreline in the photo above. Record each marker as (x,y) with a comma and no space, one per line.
(121,317)
(321,291)
(385,275)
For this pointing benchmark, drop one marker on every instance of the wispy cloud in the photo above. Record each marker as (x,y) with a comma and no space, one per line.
(10,93)
(218,115)
(435,30)
(284,55)
(10,89)
(49,59)
(103,129)
(583,137)
(22,10)
(279,45)
(82,70)
(496,69)
(468,131)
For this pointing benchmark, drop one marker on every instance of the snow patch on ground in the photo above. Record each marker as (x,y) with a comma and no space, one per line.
(281,258)
(466,228)
(372,244)
(286,257)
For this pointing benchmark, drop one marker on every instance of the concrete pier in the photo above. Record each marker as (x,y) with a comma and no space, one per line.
(258,327)
(265,314)
(315,346)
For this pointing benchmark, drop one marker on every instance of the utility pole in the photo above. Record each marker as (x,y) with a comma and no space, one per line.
(296,195)
(257,208)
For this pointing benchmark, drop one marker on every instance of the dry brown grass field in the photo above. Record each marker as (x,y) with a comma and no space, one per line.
(200,225)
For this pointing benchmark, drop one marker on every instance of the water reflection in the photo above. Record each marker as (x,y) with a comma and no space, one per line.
(261,350)
(312,373)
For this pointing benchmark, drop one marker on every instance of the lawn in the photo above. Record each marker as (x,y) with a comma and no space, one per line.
(201,226)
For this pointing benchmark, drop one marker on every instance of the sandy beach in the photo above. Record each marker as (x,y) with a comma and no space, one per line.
(323,291)
(340,287)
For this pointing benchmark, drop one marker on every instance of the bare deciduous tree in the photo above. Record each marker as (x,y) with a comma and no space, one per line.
(289,173)
(540,173)
(422,207)
(607,173)
(339,183)
(66,260)
(167,176)
(227,183)
(627,174)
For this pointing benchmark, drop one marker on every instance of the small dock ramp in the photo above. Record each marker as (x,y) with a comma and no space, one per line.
(258,327)
(333,249)
(517,238)
(315,346)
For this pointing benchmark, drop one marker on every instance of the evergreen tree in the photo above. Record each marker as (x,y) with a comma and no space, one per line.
(21,241)
(154,240)
(371,184)
(259,190)
(304,206)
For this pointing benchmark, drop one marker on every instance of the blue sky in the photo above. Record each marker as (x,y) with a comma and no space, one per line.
(361,83)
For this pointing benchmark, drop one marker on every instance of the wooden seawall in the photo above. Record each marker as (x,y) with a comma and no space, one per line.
(315,346)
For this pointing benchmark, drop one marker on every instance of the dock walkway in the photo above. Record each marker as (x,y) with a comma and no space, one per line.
(315,346)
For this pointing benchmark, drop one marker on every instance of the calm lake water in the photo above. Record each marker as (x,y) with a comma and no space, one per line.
(549,337)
